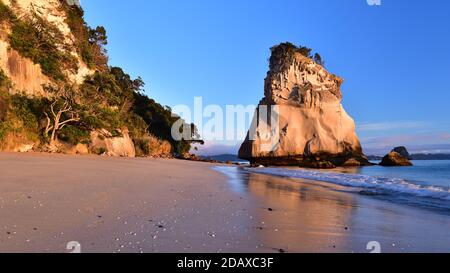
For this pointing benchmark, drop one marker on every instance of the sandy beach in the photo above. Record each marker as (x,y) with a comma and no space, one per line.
(148,205)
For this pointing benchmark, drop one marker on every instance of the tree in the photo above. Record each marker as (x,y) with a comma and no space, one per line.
(98,40)
(305,51)
(62,111)
(318,59)
(98,36)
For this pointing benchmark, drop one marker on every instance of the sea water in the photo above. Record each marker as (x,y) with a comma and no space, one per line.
(426,184)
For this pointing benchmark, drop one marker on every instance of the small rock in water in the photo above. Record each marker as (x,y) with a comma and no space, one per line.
(270,209)
(281,250)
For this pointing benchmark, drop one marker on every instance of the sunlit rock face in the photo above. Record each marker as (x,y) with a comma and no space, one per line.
(122,145)
(308,125)
(26,76)
(394,159)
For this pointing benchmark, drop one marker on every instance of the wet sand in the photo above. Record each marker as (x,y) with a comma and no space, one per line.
(142,205)
(313,216)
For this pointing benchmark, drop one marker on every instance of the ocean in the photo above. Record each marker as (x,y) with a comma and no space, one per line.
(425,185)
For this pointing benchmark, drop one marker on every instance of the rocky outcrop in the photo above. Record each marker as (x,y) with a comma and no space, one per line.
(402,151)
(24,148)
(153,147)
(394,159)
(308,125)
(103,142)
(79,149)
(17,142)
(26,76)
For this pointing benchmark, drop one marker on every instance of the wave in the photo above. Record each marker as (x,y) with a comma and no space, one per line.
(376,184)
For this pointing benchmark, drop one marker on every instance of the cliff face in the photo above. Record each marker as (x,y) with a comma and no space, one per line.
(26,76)
(59,94)
(312,128)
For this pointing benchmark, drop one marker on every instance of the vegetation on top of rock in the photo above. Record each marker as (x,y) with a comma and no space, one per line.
(35,38)
(89,42)
(402,151)
(4,81)
(23,115)
(4,85)
(160,121)
(284,53)
(318,59)
(6,14)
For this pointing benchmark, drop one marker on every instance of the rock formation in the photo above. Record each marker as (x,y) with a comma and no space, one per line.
(402,151)
(103,142)
(58,93)
(394,159)
(311,127)
(25,75)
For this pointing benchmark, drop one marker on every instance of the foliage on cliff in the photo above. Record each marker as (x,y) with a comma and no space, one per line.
(19,115)
(109,99)
(89,42)
(284,54)
(35,38)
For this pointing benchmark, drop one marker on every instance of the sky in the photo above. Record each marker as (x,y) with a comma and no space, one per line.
(395,57)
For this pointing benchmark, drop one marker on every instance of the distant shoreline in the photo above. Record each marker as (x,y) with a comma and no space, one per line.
(234,158)
(418,157)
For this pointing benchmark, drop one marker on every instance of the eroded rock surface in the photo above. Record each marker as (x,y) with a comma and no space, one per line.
(103,142)
(394,159)
(312,128)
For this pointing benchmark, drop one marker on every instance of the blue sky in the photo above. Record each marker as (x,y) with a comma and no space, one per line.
(395,58)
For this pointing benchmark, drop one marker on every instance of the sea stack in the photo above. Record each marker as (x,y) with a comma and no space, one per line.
(398,157)
(311,128)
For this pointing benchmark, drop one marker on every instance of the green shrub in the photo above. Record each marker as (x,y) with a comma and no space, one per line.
(3,78)
(74,135)
(5,13)
(284,53)
(5,83)
(89,42)
(21,116)
(40,41)
(4,128)
(28,110)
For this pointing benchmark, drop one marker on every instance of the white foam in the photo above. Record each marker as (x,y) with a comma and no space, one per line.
(393,185)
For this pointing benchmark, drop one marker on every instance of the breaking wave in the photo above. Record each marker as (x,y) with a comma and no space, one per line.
(371,184)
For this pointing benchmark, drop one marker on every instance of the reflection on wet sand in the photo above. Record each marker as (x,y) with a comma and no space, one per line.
(296,215)
(296,212)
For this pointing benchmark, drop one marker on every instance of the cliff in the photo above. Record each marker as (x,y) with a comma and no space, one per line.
(58,93)
(25,74)
(312,128)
